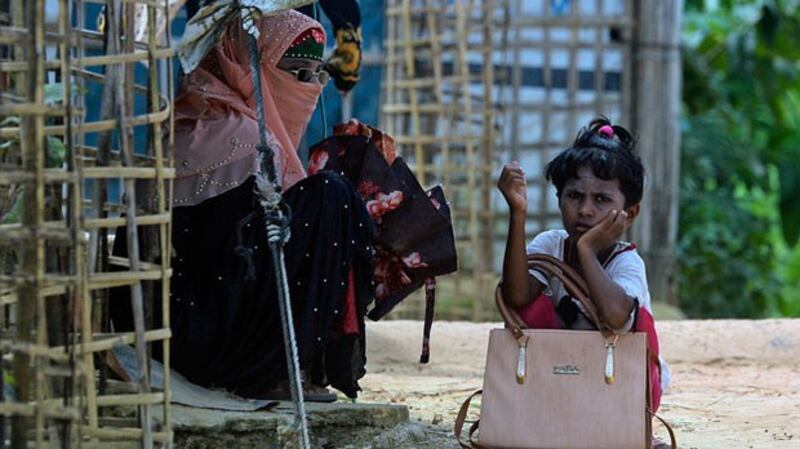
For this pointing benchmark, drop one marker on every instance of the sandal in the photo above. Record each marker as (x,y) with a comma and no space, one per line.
(311,393)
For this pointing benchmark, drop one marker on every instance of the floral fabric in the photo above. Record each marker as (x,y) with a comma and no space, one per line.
(415,238)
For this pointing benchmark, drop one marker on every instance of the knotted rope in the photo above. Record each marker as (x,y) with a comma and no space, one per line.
(276,218)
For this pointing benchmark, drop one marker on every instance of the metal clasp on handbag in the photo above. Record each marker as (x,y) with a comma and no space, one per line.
(522,356)
(610,344)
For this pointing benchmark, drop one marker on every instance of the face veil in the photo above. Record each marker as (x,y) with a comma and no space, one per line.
(215,112)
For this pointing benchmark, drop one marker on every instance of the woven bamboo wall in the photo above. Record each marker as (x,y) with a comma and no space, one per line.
(60,165)
(554,66)
(568,63)
(438,105)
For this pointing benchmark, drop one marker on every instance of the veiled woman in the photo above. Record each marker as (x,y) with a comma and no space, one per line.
(224,302)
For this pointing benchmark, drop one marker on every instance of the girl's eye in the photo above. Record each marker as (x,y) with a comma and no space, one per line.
(573,195)
(601,199)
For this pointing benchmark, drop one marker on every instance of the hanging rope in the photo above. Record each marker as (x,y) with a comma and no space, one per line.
(323,114)
(276,217)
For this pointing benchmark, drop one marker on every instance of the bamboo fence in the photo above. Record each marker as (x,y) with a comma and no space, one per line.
(439,108)
(473,84)
(59,163)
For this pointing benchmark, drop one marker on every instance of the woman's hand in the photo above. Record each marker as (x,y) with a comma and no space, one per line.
(512,185)
(606,233)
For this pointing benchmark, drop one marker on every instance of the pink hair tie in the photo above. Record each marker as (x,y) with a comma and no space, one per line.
(606,131)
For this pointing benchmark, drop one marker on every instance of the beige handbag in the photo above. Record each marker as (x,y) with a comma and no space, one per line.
(562,389)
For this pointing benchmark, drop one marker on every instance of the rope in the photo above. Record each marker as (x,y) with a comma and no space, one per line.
(277,222)
(323,114)
(277,237)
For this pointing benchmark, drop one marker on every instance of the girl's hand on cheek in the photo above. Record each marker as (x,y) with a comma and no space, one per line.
(605,233)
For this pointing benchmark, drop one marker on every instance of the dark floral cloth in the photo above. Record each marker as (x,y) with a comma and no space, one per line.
(415,239)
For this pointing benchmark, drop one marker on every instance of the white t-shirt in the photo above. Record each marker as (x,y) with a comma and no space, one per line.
(624,267)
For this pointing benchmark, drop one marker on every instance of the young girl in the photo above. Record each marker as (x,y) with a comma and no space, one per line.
(599,182)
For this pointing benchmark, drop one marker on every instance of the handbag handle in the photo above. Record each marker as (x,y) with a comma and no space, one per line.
(461,418)
(574,284)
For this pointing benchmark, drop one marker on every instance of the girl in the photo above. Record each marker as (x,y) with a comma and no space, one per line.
(599,182)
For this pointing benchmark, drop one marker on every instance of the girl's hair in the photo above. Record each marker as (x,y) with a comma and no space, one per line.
(608,150)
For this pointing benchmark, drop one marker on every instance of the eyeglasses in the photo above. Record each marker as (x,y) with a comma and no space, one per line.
(306,75)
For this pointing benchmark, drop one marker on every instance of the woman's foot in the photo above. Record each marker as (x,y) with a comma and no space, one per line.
(311,393)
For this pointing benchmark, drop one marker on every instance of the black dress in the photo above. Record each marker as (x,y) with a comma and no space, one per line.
(224,304)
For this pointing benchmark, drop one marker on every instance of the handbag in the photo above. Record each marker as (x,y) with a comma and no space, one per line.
(562,389)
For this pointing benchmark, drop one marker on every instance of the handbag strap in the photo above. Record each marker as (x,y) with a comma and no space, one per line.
(574,284)
(459,426)
(672,442)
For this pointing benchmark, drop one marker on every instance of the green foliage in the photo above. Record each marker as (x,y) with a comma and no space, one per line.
(55,150)
(13,214)
(740,217)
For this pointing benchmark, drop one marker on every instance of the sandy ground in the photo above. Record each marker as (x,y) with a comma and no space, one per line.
(735,384)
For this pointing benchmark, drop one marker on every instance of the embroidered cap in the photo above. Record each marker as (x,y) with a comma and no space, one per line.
(309,45)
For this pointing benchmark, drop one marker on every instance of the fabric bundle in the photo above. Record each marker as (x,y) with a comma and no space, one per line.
(415,240)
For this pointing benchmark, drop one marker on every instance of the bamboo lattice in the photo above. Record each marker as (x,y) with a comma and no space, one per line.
(568,61)
(438,105)
(473,84)
(62,164)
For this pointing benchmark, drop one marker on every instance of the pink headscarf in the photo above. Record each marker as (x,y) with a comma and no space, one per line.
(216,131)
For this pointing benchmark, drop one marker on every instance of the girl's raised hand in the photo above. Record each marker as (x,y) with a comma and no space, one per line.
(512,185)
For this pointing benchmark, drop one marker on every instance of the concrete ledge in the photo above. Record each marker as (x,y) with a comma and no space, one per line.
(332,425)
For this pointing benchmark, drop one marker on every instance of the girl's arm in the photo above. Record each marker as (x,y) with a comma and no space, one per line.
(519,288)
(612,302)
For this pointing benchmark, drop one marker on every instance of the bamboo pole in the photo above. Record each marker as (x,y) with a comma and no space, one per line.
(32,254)
(163,236)
(436,53)
(657,113)
(102,125)
(544,157)
(410,69)
(124,106)
(487,154)
(462,12)
(516,98)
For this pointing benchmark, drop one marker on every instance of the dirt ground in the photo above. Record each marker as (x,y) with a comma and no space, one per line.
(735,384)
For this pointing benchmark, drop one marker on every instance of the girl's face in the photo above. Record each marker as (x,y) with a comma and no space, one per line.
(586,200)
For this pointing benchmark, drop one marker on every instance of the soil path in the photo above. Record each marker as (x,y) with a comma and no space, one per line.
(735,383)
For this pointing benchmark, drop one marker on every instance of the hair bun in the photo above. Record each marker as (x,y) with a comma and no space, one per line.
(606,131)
(602,127)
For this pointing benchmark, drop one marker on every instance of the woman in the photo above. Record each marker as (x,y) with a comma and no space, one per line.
(224,302)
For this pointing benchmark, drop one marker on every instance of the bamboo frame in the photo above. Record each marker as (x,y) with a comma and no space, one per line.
(484,117)
(54,410)
(441,118)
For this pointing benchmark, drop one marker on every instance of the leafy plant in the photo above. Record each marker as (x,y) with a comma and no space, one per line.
(56,151)
(740,220)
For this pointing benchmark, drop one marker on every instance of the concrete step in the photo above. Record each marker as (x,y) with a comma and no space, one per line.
(335,425)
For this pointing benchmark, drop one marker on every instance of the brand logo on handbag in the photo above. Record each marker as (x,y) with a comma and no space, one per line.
(566,370)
